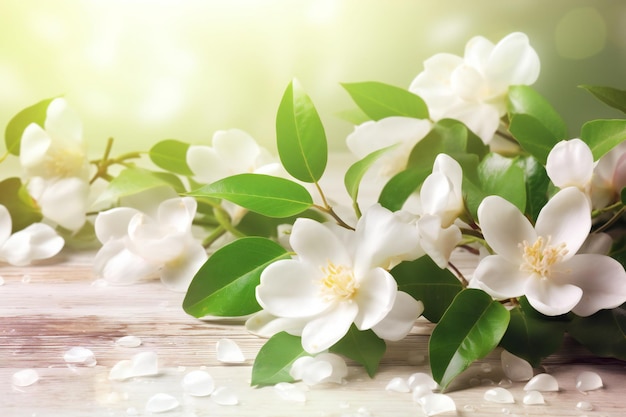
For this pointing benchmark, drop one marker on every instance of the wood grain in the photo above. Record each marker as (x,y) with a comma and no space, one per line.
(60,305)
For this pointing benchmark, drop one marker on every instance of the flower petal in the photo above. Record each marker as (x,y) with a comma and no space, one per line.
(113,223)
(438,242)
(33,148)
(512,62)
(237,149)
(570,164)
(400,320)
(264,324)
(289,288)
(324,331)
(499,278)
(177,213)
(63,123)
(504,227)
(118,265)
(63,201)
(602,280)
(35,242)
(316,244)
(177,273)
(566,218)
(6,224)
(550,298)
(375,297)
(206,164)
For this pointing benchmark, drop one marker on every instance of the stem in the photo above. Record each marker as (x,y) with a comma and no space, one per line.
(328,210)
(215,234)
(612,220)
(464,281)
(224,220)
(4,156)
(606,209)
(103,164)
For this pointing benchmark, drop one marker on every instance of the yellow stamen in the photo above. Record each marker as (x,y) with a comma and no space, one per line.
(539,257)
(338,282)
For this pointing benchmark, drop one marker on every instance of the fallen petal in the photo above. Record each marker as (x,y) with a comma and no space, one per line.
(499,395)
(229,352)
(121,370)
(80,355)
(515,368)
(25,377)
(160,403)
(224,396)
(421,378)
(542,382)
(588,381)
(128,341)
(290,392)
(398,384)
(433,404)
(145,364)
(533,397)
(198,383)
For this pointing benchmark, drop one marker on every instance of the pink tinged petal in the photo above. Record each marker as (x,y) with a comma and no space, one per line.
(400,320)
(601,278)
(6,225)
(438,242)
(62,122)
(177,273)
(237,149)
(513,61)
(264,324)
(327,329)
(118,265)
(382,239)
(206,164)
(565,219)
(500,278)
(113,223)
(375,297)
(33,148)
(550,298)
(570,164)
(35,242)
(64,202)
(504,227)
(289,288)
(316,244)
(177,213)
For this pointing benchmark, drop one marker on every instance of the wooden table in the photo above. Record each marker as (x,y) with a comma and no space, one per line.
(48,308)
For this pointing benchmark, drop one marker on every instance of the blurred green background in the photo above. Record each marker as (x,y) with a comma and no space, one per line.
(145,70)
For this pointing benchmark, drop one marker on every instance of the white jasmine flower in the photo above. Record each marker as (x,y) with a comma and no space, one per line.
(570,164)
(542,262)
(473,88)
(338,278)
(136,245)
(405,132)
(35,242)
(232,152)
(55,165)
(609,177)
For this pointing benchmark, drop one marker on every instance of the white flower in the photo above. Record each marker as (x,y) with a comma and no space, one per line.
(404,132)
(319,369)
(339,278)
(542,262)
(473,89)
(609,177)
(35,242)
(55,166)
(136,245)
(232,152)
(570,164)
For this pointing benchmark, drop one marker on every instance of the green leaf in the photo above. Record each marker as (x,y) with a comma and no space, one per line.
(603,135)
(225,285)
(171,155)
(264,194)
(300,135)
(425,281)
(608,95)
(23,209)
(537,182)
(15,128)
(379,100)
(355,173)
(273,362)
(472,327)
(531,335)
(534,122)
(135,180)
(603,333)
(363,347)
(398,189)
(354,116)
(496,175)
(255,224)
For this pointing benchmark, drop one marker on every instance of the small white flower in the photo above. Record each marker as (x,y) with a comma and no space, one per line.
(55,165)
(609,177)
(473,88)
(35,242)
(542,262)
(136,245)
(570,164)
(339,278)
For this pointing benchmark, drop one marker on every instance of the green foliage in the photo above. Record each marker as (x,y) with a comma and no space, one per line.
(532,335)
(355,173)
(472,327)
(300,135)
(379,100)
(21,206)
(255,224)
(425,281)
(171,155)
(274,360)
(227,276)
(537,183)
(363,347)
(611,96)
(264,194)
(15,128)
(603,135)
(534,122)
(603,333)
